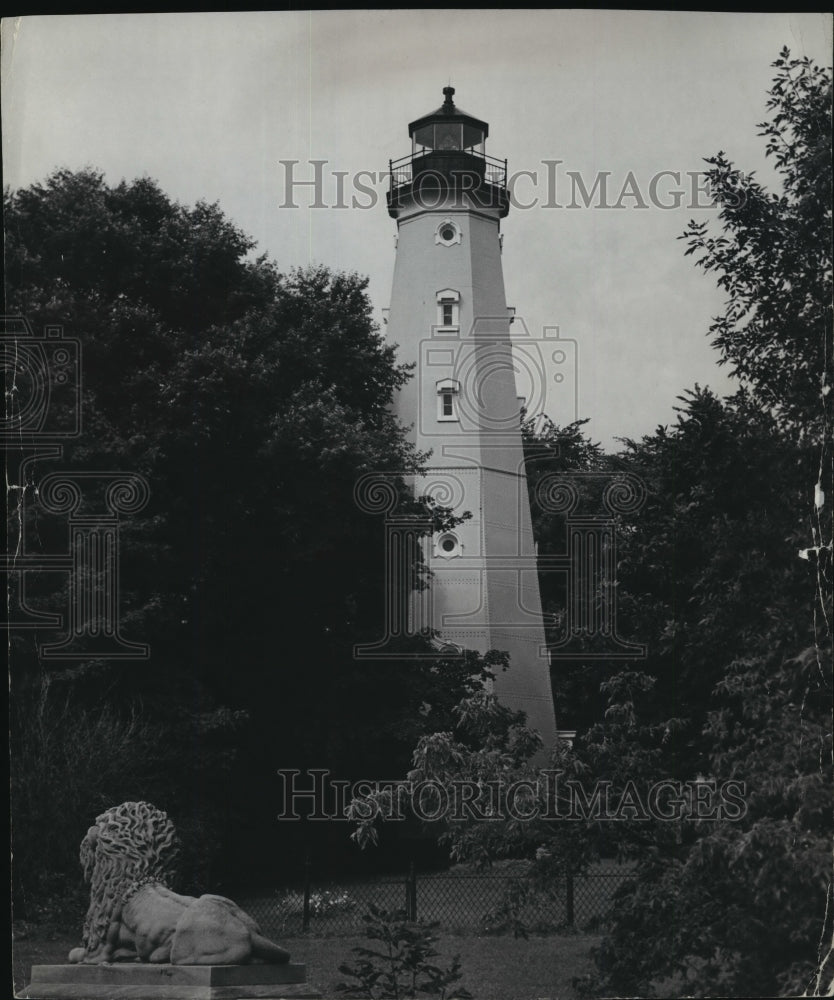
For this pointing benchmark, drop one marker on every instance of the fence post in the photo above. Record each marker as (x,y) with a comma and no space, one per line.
(569,914)
(305,917)
(411,893)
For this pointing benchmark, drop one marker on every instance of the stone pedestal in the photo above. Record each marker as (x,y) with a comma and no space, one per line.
(135,981)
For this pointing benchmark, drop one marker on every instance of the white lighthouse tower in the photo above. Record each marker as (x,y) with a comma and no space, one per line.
(449,316)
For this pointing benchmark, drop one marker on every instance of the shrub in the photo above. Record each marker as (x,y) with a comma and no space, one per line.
(402,968)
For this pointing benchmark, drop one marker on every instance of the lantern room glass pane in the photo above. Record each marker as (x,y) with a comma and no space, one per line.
(424,137)
(448,135)
(472,137)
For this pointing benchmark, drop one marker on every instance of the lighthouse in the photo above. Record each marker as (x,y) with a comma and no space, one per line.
(449,317)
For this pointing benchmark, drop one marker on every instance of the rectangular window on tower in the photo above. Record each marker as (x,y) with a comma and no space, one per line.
(447,408)
(448,310)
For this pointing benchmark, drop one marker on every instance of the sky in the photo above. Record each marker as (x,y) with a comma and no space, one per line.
(213,106)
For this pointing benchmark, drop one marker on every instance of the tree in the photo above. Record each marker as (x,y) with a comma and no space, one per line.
(743,907)
(774,257)
(251,401)
(775,263)
(554,453)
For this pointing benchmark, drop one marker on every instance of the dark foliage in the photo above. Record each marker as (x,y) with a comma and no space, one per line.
(251,401)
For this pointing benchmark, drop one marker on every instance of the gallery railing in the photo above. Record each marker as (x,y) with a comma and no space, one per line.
(427,162)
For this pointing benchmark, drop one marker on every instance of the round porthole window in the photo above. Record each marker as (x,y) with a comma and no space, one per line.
(448,545)
(447,233)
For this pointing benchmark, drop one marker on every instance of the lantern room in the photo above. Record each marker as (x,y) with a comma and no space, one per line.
(448,155)
(449,129)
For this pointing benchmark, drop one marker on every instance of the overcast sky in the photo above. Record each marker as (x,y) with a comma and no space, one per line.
(209,104)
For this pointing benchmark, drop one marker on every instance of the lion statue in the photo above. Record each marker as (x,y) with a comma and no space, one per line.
(128,858)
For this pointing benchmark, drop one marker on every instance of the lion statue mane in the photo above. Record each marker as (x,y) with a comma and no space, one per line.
(128,857)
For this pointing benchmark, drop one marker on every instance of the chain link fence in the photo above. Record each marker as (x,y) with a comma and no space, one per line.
(460,902)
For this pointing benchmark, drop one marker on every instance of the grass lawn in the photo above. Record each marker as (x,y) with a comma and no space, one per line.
(494,968)
(33,944)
